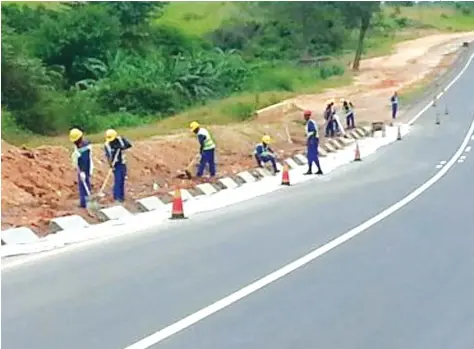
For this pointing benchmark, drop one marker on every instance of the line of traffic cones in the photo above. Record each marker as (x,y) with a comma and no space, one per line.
(177,210)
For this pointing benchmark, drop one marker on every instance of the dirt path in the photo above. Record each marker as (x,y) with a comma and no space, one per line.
(39,183)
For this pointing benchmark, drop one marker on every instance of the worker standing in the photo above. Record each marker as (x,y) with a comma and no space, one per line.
(348,109)
(207,149)
(312,143)
(263,153)
(82,161)
(115,146)
(394,102)
(329,117)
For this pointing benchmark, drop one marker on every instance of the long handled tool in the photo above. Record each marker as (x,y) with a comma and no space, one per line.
(188,170)
(91,202)
(109,173)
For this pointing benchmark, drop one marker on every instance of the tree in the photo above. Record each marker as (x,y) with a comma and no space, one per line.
(135,18)
(359,15)
(79,34)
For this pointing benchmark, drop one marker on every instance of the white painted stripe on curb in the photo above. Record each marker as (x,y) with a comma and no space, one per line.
(190,320)
(456,78)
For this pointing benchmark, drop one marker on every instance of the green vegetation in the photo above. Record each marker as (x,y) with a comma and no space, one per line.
(129,65)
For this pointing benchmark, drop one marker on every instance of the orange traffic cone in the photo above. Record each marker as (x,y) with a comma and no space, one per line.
(177,211)
(285,176)
(399,134)
(357,153)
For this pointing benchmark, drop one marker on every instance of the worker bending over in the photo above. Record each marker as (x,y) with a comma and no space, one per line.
(312,143)
(263,153)
(348,109)
(82,161)
(394,102)
(114,151)
(207,149)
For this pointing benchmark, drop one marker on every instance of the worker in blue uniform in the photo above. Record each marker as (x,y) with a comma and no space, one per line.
(114,147)
(348,109)
(329,117)
(263,153)
(82,161)
(207,148)
(394,102)
(312,143)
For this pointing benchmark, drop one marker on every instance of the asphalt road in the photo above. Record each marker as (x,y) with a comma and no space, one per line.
(407,282)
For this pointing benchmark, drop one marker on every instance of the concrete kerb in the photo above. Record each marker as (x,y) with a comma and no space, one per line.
(228,183)
(150,203)
(114,213)
(67,222)
(207,188)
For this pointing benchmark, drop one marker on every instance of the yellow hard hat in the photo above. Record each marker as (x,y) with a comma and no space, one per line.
(193,125)
(110,135)
(266,139)
(75,134)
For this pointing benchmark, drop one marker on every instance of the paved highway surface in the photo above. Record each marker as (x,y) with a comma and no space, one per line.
(406,282)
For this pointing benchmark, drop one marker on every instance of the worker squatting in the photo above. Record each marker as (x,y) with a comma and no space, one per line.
(115,147)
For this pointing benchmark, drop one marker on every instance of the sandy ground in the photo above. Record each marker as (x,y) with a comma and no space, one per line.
(38,184)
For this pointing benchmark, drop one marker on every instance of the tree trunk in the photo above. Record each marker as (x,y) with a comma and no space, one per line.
(364,25)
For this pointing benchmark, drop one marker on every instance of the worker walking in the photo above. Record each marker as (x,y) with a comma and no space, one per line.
(394,102)
(82,161)
(348,109)
(312,143)
(263,153)
(115,146)
(207,149)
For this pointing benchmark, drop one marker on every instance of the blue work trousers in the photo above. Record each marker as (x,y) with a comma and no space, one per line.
(350,120)
(394,110)
(313,153)
(120,171)
(82,190)
(330,128)
(266,159)
(207,157)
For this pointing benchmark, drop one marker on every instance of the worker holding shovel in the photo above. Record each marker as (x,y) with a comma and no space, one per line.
(114,151)
(82,161)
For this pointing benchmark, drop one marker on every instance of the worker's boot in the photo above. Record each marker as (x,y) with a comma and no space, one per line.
(309,172)
(320,172)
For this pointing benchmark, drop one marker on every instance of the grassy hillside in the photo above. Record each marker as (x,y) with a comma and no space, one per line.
(129,89)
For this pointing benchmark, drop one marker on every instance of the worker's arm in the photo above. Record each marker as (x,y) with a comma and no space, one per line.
(201,139)
(84,160)
(125,144)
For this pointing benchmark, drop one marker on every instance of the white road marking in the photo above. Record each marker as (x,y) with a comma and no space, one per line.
(439,166)
(462,157)
(443,162)
(456,78)
(472,138)
(468,149)
(287,269)
(460,161)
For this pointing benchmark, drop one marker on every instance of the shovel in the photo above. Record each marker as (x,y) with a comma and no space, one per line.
(107,177)
(187,171)
(91,203)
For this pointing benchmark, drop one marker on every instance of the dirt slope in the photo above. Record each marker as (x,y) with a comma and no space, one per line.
(39,183)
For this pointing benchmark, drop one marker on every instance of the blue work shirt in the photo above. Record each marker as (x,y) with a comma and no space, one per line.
(394,101)
(111,149)
(263,150)
(83,156)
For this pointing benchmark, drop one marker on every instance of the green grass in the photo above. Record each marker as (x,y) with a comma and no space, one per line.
(227,111)
(444,19)
(197,18)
